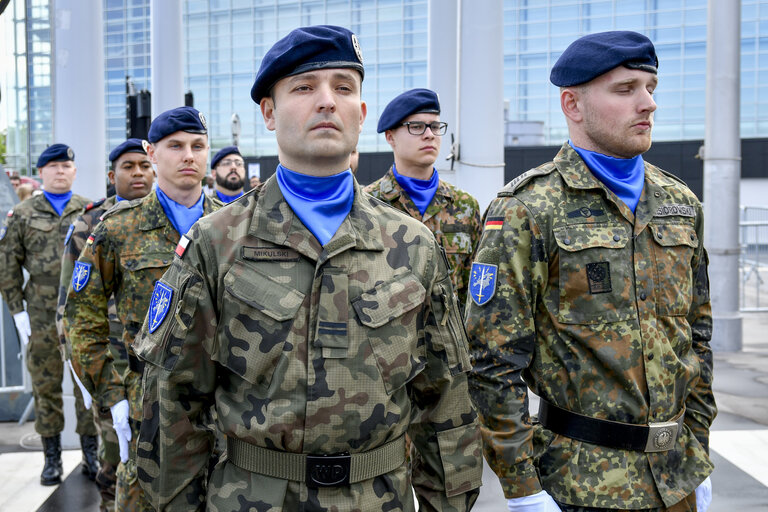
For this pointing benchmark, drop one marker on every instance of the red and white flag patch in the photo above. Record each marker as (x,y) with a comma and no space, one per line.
(183,243)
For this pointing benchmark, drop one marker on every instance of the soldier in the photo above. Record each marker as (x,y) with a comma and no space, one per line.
(33,239)
(590,286)
(411,124)
(132,176)
(228,173)
(319,323)
(127,252)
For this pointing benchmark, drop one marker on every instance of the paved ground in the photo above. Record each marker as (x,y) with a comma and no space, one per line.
(739,445)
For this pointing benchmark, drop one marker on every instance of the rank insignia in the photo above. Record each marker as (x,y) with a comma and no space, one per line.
(2,232)
(482,282)
(159,305)
(80,275)
(599,277)
(182,246)
(494,223)
(69,233)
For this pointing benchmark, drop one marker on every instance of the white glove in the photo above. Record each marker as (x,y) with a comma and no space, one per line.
(21,319)
(120,412)
(539,502)
(87,398)
(704,495)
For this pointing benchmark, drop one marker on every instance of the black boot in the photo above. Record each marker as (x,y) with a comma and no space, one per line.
(53,469)
(90,446)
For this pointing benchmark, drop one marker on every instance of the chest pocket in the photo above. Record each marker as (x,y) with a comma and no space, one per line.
(672,254)
(389,312)
(595,277)
(41,234)
(257,315)
(456,243)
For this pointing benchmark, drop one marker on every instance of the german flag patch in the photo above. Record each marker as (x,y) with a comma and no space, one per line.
(494,223)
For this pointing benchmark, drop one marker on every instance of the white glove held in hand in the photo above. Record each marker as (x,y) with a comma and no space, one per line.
(120,412)
(21,319)
(539,502)
(704,495)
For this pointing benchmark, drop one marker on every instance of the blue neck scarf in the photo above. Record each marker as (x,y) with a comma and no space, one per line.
(58,201)
(119,198)
(320,202)
(421,192)
(623,176)
(227,199)
(180,216)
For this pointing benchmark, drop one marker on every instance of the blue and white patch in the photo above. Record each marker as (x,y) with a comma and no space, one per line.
(3,230)
(69,234)
(159,305)
(482,282)
(80,275)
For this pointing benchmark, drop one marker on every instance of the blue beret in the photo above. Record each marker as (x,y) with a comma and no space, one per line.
(229,150)
(129,146)
(55,153)
(307,49)
(592,55)
(410,102)
(181,119)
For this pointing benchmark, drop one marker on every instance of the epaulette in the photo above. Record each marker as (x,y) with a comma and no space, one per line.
(95,204)
(670,175)
(120,206)
(510,188)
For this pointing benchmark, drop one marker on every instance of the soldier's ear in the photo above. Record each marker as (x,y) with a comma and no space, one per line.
(267,107)
(151,153)
(570,103)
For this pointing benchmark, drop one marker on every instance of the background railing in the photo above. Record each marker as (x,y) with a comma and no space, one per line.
(753,259)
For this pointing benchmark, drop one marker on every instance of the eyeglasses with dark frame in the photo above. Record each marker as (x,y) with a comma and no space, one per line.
(419,127)
(229,161)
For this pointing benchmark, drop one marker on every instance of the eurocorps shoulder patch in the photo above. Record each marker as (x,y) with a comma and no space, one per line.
(69,233)
(482,282)
(3,230)
(80,275)
(159,305)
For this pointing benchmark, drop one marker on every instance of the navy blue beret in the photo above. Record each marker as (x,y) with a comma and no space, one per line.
(229,150)
(129,146)
(181,119)
(410,102)
(55,153)
(594,54)
(307,49)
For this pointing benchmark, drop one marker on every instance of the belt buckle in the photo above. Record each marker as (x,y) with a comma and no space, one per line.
(328,470)
(661,436)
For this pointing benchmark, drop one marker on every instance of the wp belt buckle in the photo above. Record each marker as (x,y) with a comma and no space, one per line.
(328,470)
(662,436)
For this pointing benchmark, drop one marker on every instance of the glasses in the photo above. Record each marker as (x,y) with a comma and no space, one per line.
(236,163)
(419,127)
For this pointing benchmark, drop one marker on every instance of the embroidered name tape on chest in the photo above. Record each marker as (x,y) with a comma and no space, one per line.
(270,254)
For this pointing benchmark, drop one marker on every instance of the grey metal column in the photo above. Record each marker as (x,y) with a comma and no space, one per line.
(722,171)
(167,50)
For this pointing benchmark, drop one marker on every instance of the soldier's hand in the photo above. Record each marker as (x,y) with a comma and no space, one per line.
(120,412)
(21,319)
(704,495)
(539,502)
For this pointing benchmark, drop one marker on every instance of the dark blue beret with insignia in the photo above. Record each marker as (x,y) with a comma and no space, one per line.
(594,54)
(306,49)
(55,153)
(181,119)
(410,102)
(129,146)
(229,150)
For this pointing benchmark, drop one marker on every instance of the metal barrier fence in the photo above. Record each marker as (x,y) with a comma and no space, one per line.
(753,259)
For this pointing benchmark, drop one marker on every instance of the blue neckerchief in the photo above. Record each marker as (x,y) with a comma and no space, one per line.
(421,192)
(623,176)
(227,199)
(58,201)
(320,202)
(180,216)
(119,198)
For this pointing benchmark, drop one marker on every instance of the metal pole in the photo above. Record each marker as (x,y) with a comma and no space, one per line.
(167,49)
(722,171)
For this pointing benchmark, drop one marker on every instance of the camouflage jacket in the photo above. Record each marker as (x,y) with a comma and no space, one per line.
(125,254)
(33,238)
(453,216)
(307,349)
(602,312)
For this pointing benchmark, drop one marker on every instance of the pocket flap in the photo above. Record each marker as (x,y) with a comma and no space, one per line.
(41,223)
(389,300)
(585,236)
(260,291)
(135,262)
(675,234)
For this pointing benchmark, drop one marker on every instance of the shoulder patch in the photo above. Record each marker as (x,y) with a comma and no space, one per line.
(80,275)
(120,206)
(492,223)
(10,213)
(69,233)
(3,231)
(159,305)
(94,204)
(482,282)
(510,188)
(182,246)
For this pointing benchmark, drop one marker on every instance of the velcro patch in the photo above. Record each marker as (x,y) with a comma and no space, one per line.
(80,275)
(675,210)
(159,305)
(270,254)
(90,240)
(3,231)
(599,277)
(494,223)
(182,246)
(482,282)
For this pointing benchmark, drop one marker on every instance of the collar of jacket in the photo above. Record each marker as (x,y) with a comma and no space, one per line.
(391,190)
(153,216)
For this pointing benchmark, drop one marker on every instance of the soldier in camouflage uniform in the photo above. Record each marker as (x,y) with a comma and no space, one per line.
(33,239)
(132,175)
(411,124)
(127,252)
(319,323)
(590,286)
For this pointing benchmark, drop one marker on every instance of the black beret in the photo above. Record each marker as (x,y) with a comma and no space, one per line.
(129,146)
(229,150)
(55,153)
(592,55)
(410,102)
(181,119)
(306,49)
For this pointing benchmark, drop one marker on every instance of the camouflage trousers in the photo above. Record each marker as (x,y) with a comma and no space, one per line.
(129,496)
(109,458)
(46,371)
(687,504)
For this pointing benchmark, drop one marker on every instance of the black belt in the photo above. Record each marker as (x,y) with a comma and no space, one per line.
(135,364)
(653,437)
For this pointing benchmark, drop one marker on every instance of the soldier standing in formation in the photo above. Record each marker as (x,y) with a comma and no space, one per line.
(590,286)
(132,175)
(228,169)
(319,324)
(33,239)
(412,126)
(127,252)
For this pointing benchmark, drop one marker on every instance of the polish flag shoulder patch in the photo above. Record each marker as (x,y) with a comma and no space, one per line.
(182,247)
